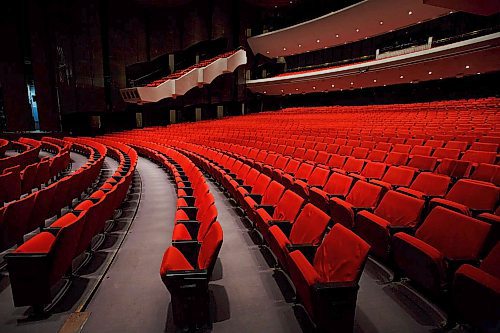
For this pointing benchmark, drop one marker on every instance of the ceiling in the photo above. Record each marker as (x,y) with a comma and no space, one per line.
(472,57)
(362,20)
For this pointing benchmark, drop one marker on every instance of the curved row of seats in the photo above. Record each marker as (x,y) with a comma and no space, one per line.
(187,264)
(37,265)
(445,240)
(30,212)
(28,153)
(16,181)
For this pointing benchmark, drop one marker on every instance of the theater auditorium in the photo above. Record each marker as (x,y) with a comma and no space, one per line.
(260,166)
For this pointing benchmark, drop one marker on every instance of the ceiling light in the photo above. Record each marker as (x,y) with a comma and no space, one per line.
(337,35)
(314,88)
(267,52)
(317,40)
(467,67)
(440,78)
(265,92)
(284,49)
(296,89)
(430,73)
(352,83)
(401,77)
(341,89)
(374,80)
(410,12)
(381,22)
(478,73)
(385,85)
(357,30)
(333,86)
(300,45)
(281,90)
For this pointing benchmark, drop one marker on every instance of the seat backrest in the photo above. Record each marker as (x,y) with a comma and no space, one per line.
(431,184)
(446,153)
(341,256)
(318,177)
(491,264)
(421,150)
(360,152)
(243,171)
(322,157)
(377,155)
(332,148)
(273,193)
(261,184)
(309,226)
(310,155)
(475,195)
(304,171)
(336,161)
(460,145)
(251,177)
(423,163)
(353,165)
(457,236)
(487,173)
(364,194)
(210,247)
(292,166)
(482,146)
(400,209)
(288,206)
(374,170)
(477,156)
(385,146)
(345,150)
(434,143)
(396,158)
(399,176)
(401,148)
(281,162)
(338,184)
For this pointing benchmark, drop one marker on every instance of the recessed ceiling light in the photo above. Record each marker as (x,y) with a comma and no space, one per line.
(284,49)
(374,80)
(385,85)
(317,40)
(281,90)
(314,87)
(333,86)
(440,78)
(467,67)
(275,6)
(430,73)
(300,45)
(267,52)
(265,92)
(341,89)
(478,73)
(357,30)
(401,77)
(352,83)
(296,89)
(381,22)
(410,12)
(337,35)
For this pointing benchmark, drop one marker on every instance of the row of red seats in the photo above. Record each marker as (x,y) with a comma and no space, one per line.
(197,237)
(4,145)
(41,262)
(30,212)
(324,269)
(15,181)
(179,73)
(382,228)
(29,150)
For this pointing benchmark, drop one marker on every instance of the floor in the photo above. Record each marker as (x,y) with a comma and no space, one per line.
(247,295)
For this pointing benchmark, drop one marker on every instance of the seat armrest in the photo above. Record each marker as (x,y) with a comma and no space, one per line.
(358,209)
(285,226)
(190,211)
(255,197)
(308,250)
(190,200)
(192,226)
(401,228)
(247,188)
(189,249)
(239,181)
(268,208)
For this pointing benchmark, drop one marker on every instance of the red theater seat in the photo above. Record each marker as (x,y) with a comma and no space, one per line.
(327,284)
(441,243)
(338,185)
(475,292)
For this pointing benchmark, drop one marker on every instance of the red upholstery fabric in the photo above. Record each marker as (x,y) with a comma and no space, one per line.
(64,221)
(211,242)
(491,264)
(309,226)
(341,256)
(400,209)
(180,233)
(455,235)
(174,260)
(40,243)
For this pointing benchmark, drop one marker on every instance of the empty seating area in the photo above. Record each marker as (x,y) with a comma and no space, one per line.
(415,186)
(62,219)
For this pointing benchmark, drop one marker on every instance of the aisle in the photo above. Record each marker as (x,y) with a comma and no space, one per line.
(132,297)
(254,302)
